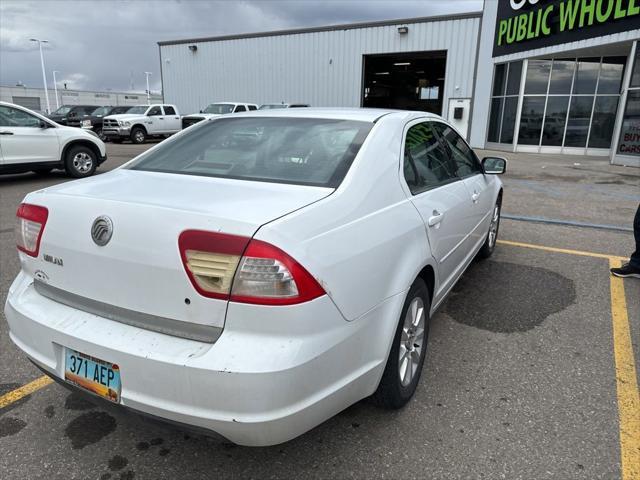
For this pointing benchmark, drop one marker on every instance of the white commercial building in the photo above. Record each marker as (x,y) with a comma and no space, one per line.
(522,75)
(34,98)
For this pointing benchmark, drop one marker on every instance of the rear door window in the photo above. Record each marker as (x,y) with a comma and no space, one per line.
(303,151)
(240,108)
(169,110)
(426,162)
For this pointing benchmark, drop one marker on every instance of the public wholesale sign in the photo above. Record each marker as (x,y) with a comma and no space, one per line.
(527,24)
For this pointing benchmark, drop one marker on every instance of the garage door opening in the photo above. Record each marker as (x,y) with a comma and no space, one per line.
(409,81)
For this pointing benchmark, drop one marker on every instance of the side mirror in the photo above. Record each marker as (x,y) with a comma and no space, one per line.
(494,165)
(43,124)
(201,111)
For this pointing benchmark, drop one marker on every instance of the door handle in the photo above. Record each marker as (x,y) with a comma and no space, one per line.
(475,197)
(435,219)
(160,118)
(6,133)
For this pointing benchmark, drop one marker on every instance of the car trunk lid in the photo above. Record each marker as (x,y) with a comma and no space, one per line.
(139,272)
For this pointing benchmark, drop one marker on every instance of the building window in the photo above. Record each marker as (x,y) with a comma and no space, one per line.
(504,102)
(571,102)
(630,132)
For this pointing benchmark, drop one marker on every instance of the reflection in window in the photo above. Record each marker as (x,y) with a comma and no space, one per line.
(537,77)
(555,120)
(494,120)
(531,120)
(499,79)
(509,119)
(502,117)
(562,76)
(630,131)
(604,118)
(578,123)
(426,163)
(611,75)
(515,75)
(586,75)
(635,75)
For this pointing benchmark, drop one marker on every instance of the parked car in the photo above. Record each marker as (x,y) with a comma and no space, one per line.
(276,106)
(258,274)
(72,112)
(32,142)
(94,121)
(142,122)
(215,110)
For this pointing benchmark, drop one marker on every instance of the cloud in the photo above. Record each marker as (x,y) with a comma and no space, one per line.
(110,44)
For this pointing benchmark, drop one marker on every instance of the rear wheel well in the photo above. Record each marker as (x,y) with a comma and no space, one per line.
(428,276)
(85,143)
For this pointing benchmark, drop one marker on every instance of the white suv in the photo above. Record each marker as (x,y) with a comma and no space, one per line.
(31,142)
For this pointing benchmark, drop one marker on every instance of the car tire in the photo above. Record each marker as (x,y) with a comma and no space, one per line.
(492,235)
(42,171)
(138,135)
(80,162)
(101,135)
(404,366)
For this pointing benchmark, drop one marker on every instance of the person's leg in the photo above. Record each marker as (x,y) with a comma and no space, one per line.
(634,260)
(632,269)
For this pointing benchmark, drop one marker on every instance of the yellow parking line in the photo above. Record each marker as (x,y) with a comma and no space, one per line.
(626,376)
(626,381)
(15,395)
(560,250)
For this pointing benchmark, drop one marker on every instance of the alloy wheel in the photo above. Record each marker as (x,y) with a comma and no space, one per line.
(411,341)
(139,136)
(82,162)
(493,228)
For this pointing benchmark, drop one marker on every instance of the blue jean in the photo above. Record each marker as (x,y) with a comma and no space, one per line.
(634,261)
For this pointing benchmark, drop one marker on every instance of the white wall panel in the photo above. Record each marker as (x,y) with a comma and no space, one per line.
(323,68)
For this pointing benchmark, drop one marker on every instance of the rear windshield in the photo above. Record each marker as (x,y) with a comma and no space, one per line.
(218,108)
(303,151)
(272,106)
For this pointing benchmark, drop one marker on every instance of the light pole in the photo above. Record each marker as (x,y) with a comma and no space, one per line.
(55,87)
(44,75)
(148,92)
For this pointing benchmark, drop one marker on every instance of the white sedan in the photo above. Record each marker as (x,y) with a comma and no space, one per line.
(258,273)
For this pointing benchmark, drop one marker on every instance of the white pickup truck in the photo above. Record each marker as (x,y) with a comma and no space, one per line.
(217,109)
(142,122)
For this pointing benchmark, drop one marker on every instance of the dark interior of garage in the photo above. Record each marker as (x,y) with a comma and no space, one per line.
(410,81)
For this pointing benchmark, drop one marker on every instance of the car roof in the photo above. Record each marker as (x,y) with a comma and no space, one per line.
(357,114)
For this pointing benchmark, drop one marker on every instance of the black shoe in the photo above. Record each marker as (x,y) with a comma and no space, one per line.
(626,271)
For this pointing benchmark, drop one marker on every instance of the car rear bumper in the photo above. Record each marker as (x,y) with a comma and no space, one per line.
(273,374)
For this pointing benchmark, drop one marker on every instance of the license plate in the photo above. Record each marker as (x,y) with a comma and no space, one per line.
(92,374)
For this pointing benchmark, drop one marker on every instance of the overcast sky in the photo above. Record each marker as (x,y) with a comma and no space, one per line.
(104,44)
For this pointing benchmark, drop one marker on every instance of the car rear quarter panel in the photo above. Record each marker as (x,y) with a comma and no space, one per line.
(366,242)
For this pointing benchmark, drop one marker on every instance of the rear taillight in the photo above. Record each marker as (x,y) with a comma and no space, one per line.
(268,276)
(31,220)
(211,259)
(243,270)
